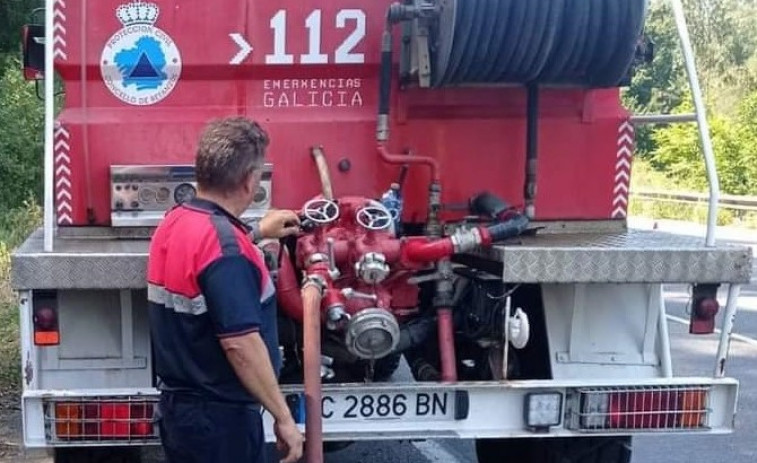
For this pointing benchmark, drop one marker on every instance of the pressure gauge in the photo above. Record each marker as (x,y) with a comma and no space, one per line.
(183,193)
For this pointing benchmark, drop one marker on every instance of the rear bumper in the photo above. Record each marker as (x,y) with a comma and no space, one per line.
(465,410)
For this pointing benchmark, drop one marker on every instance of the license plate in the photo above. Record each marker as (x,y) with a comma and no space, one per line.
(369,406)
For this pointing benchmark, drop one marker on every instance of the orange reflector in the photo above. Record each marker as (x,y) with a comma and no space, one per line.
(694,404)
(67,420)
(46,338)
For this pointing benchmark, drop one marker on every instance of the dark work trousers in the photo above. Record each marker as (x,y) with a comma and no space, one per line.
(195,430)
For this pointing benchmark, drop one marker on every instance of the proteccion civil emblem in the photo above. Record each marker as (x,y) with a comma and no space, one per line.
(140,63)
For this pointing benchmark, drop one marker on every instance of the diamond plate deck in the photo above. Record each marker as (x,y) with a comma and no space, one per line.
(630,257)
(83,263)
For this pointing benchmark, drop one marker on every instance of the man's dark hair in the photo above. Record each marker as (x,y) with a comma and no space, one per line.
(229,150)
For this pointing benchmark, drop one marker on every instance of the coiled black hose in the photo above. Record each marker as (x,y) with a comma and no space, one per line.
(567,42)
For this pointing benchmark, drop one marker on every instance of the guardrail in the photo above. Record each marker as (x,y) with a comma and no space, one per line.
(742,203)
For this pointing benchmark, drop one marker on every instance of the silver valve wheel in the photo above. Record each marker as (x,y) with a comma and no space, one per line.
(374,218)
(321,210)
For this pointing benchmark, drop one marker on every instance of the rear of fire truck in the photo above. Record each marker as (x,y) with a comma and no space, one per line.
(461,169)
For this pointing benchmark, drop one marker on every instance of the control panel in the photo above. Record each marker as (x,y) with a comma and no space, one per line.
(141,195)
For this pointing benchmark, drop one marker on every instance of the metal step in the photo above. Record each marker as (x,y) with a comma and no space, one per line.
(634,256)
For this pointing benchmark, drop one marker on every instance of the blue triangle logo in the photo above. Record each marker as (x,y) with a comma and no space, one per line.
(144,69)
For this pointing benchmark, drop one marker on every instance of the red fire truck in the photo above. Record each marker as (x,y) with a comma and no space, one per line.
(462,169)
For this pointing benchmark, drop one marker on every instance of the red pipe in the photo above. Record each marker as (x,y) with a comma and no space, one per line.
(311,301)
(447,344)
(404,159)
(287,289)
(422,251)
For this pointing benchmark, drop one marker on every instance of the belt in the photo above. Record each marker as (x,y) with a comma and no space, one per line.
(177,397)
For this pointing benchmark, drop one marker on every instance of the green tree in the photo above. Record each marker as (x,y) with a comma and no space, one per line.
(679,152)
(21,139)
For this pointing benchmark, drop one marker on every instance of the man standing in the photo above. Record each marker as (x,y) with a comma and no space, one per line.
(213,312)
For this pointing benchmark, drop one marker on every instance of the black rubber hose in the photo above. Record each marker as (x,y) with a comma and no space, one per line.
(584,42)
(487,204)
(509,228)
(480,53)
(612,21)
(528,44)
(385,78)
(593,40)
(566,41)
(463,26)
(553,26)
(511,40)
(497,40)
(626,46)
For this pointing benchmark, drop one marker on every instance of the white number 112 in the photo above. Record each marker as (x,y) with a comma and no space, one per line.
(342,55)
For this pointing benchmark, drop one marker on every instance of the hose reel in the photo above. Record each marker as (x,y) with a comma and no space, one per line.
(589,43)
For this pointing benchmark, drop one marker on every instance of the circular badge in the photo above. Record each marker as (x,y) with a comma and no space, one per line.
(140,64)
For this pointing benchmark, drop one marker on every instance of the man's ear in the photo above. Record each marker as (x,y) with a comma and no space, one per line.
(249,183)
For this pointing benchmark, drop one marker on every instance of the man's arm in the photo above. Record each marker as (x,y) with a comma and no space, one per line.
(249,356)
(231,286)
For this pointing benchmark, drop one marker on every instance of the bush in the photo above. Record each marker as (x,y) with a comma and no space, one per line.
(21,138)
(15,225)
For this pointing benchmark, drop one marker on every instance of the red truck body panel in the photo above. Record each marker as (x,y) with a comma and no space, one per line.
(203,71)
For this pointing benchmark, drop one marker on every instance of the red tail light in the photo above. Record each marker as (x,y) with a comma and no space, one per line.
(705,307)
(684,407)
(656,409)
(46,332)
(96,421)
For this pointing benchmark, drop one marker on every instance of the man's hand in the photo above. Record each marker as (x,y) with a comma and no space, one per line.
(288,440)
(278,224)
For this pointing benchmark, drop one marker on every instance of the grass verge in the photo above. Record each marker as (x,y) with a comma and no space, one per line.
(645,177)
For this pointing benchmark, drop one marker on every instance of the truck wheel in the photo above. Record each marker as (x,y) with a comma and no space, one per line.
(98,455)
(555,450)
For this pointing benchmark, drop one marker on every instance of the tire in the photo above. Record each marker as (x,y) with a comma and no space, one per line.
(555,450)
(98,455)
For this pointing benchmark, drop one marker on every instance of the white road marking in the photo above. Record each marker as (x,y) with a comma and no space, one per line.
(433,451)
(738,337)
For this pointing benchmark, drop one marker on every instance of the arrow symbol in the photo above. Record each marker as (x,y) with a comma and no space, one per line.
(63,168)
(619,212)
(62,157)
(244,48)
(620,175)
(62,144)
(623,163)
(62,206)
(59,14)
(60,2)
(63,181)
(620,199)
(59,27)
(625,138)
(625,150)
(58,53)
(61,131)
(64,219)
(619,187)
(625,127)
(63,193)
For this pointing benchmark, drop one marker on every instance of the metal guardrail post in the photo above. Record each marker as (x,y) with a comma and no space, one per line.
(704,133)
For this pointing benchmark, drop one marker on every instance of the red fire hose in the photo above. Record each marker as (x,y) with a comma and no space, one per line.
(311,301)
